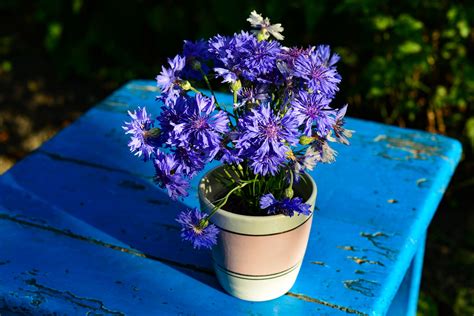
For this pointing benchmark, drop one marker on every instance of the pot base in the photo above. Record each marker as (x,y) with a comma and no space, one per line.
(257,288)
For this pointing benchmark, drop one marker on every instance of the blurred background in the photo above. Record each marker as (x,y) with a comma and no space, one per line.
(408,63)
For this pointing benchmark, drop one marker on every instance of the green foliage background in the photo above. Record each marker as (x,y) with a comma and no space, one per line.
(406,62)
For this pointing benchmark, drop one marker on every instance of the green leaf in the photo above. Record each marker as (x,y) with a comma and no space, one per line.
(463,28)
(382,22)
(470,130)
(409,47)
(55,30)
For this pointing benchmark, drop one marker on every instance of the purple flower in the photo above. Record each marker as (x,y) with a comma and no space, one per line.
(260,59)
(196,229)
(319,78)
(196,54)
(143,139)
(264,138)
(168,175)
(313,109)
(201,127)
(323,52)
(169,77)
(190,161)
(341,133)
(229,53)
(286,206)
(226,74)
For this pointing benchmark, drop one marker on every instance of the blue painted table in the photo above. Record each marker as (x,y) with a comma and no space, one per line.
(85,231)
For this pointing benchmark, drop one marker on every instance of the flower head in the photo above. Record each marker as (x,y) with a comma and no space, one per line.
(169,77)
(260,59)
(264,27)
(168,175)
(144,136)
(319,77)
(313,110)
(286,206)
(265,136)
(201,127)
(196,54)
(196,229)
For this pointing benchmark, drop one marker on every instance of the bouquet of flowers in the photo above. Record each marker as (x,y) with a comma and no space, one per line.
(279,125)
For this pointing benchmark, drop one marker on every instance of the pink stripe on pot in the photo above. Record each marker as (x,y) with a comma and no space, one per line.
(262,255)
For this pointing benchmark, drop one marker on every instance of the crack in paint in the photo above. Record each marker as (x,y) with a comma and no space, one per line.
(88,164)
(143,255)
(132,185)
(387,252)
(364,287)
(363,260)
(94,305)
(97,242)
(307,298)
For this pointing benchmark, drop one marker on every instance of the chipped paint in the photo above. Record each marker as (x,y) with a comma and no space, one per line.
(307,298)
(385,251)
(364,287)
(420,182)
(411,149)
(359,272)
(319,263)
(362,260)
(347,248)
(392,201)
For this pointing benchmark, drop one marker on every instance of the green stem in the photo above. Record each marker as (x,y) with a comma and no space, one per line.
(209,87)
(221,204)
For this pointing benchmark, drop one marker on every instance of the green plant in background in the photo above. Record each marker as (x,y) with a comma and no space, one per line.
(418,68)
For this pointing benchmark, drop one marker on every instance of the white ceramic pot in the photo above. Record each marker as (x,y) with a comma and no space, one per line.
(257,258)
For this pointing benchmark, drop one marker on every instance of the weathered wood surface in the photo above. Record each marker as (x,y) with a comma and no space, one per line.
(84,230)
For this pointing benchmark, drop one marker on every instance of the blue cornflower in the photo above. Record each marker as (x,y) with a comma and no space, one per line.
(144,139)
(190,161)
(168,175)
(323,52)
(260,59)
(220,47)
(196,229)
(313,109)
(201,126)
(169,77)
(286,206)
(196,54)
(230,54)
(171,115)
(319,77)
(264,138)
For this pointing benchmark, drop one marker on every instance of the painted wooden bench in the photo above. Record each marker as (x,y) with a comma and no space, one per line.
(85,231)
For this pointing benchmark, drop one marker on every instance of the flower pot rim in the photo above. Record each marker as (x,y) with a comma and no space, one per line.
(257,219)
